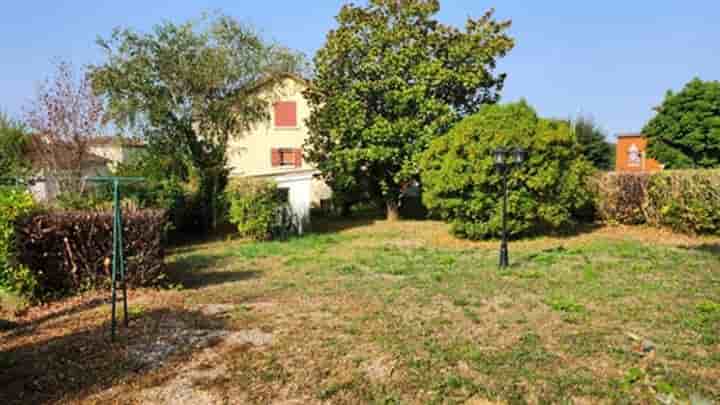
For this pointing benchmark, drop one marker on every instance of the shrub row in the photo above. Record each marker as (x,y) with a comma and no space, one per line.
(686,201)
(65,251)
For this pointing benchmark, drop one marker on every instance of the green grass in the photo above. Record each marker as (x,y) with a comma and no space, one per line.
(385,313)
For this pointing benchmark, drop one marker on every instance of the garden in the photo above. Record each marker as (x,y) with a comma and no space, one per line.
(611,295)
(370,311)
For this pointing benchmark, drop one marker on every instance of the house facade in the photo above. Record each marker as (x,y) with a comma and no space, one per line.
(631,155)
(103,155)
(273,149)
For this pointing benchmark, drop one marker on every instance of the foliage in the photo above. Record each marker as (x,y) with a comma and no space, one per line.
(65,119)
(685,133)
(621,197)
(14,144)
(14,204)
(168,185)
(547,192)
(80,201)
(686,201)
(389,80)
(65,251)
(257,209)
(593,143)
(191,109)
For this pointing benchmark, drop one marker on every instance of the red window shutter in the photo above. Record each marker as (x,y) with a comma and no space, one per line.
(275,157)
(285,114)
(298,157)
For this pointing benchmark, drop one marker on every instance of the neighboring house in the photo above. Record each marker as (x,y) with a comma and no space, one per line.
(273,149)
(104,154)
(631,155)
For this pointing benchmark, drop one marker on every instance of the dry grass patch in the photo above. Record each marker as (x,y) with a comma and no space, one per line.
(379,312)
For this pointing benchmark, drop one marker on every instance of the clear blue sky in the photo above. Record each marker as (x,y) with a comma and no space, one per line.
(612,59)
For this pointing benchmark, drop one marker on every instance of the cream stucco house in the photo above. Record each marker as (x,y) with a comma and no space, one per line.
(273,149)
(103,155)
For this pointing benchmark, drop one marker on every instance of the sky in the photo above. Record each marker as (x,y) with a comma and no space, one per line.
(612,60)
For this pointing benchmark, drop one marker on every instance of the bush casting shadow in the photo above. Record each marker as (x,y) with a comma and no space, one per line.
(82,362)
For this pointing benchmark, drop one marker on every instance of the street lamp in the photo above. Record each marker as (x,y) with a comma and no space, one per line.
(505,159)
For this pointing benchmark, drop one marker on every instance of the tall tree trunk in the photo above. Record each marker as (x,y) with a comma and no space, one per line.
(393,210)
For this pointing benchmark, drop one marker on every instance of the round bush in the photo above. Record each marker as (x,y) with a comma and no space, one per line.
(257,209)
(546,193)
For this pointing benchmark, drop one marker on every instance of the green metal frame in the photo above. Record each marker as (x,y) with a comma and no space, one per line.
(118,258)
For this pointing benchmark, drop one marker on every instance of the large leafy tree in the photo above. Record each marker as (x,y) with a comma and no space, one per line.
(593,143)
(189,88)
(685,133)
(389,80)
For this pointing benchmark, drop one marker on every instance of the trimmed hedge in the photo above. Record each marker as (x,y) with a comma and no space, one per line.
(65,251)
(686,201)
(621,197)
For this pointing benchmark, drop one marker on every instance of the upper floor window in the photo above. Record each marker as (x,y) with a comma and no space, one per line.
(634,156)
(285,113)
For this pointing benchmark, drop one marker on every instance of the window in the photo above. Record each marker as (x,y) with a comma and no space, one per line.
(284,195)
(634,156)
(288,157)
(285,113)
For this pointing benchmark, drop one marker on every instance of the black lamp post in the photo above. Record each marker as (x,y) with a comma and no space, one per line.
(505,159)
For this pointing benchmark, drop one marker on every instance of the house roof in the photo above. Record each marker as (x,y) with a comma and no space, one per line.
(117,140)
(63,154)
(284,75)
(631,135)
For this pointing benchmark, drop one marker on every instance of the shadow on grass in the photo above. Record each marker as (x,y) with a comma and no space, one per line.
(83,361)
(328,225)
(204,270)
(712,248)
(29,327)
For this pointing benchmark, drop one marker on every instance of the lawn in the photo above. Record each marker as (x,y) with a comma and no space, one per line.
(377,312)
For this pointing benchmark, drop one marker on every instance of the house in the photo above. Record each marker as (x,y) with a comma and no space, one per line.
(631,155)
(273,149)
(103,154)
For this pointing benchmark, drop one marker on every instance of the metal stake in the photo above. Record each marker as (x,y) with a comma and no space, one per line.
(118,259)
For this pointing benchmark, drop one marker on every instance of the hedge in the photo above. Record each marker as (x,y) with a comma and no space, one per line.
(65,251)
(621,197)
(686,201)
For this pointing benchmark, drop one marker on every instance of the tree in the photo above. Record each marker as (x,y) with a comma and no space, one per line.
(593,143)
(685,133)
(188,89)
(66,117)
(546,193)
(389,80)
(14,144)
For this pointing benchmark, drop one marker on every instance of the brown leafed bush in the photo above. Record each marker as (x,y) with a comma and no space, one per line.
(65,251)
(621,197)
